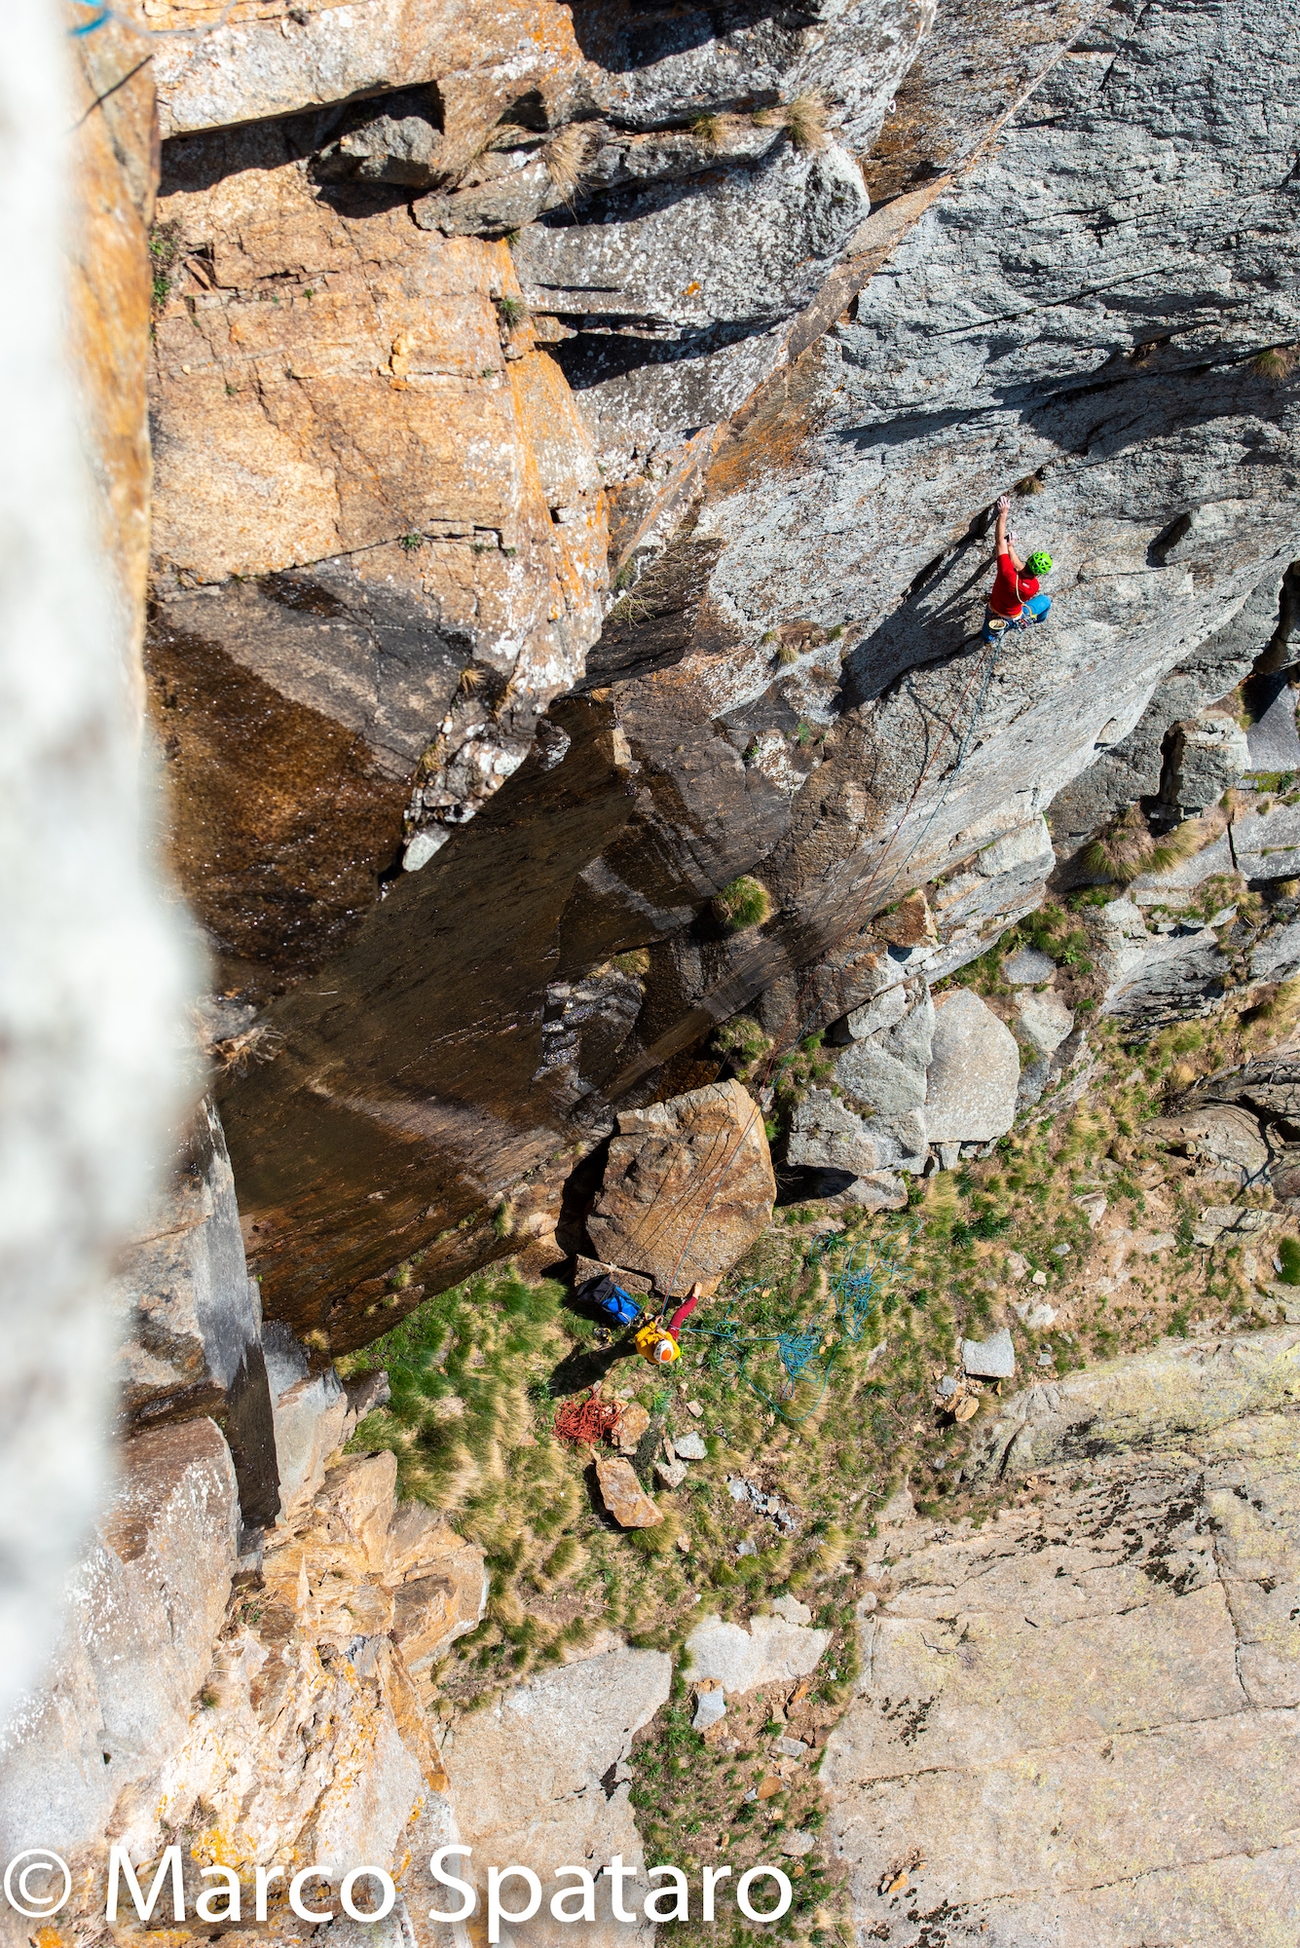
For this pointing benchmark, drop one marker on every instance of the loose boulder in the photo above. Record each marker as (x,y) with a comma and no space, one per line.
(989,1359)
(632,1424)
(1045,1019)
(623,1494)
(974,1072)
(687,1188)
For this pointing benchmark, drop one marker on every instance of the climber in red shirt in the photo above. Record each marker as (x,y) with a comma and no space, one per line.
(1015,601)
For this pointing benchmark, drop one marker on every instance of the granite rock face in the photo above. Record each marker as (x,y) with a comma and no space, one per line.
(379,539)
(289,1712)
(538,1778)
(145,1607)
(1174,1391)
(191,1319)
(793,686)
(259,60)
(1079,1718)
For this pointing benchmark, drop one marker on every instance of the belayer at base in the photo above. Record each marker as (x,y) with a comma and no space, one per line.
(1015,601)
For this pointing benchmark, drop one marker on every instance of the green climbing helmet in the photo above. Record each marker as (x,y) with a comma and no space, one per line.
(1039,563)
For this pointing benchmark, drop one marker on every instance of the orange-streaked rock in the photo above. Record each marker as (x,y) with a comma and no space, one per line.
(113,168)
(264,61)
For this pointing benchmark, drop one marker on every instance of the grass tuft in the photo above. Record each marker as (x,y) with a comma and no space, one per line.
(567,158)
(805,119)
(1276,361)
(744,903)
(1129,848)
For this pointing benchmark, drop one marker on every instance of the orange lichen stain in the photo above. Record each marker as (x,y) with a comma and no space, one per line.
(159,1937)
(215,1848)
(690,290)
(51,1938)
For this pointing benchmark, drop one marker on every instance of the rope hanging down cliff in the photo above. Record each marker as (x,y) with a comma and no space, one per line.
(767,1081)
(770,1075)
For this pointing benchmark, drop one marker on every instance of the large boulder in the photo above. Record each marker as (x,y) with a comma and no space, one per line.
(687,1188)
(974,1072)
(771,1651)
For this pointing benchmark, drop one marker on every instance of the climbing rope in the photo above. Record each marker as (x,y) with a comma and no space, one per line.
(102,17)
(772,1073)
(584,1422)
(807,1349)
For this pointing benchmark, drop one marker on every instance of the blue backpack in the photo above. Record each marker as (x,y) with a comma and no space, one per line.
(614,1305)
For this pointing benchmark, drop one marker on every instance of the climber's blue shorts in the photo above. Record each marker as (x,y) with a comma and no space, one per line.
(1033,609)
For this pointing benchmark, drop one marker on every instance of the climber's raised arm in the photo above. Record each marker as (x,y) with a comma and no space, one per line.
(1004,546)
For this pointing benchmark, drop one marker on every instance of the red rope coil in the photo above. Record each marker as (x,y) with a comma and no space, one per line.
(585,1422)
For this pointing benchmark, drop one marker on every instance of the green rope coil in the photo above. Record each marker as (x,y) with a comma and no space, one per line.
(805,1348)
